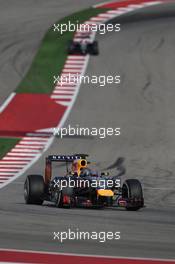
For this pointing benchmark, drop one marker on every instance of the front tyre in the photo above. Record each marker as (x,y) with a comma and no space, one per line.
(132,192)
(95,48)
(34,189)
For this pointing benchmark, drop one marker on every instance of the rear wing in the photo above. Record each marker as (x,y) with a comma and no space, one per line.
(81,162)
(65,158)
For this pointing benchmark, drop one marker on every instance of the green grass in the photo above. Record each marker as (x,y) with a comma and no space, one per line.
(51,56)
(6,144)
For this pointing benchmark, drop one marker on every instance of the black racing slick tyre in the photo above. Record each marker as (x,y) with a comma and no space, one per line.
(71,48)
(95,49)
(59,199)
(132,191)
(34,189)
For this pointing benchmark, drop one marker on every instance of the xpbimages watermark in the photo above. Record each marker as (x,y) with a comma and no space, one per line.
(85,235)
(84,183)
(101,132)
(76,78)
(86,27)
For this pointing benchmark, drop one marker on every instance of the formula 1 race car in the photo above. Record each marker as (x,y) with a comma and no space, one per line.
(83,47)
(81,186)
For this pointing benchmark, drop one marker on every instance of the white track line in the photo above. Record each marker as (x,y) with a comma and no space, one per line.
(7,101)
(64,103)
(4,166)
(28,147)
(6,173)
(16,158)
(25,150)
(66,86)
(63,92)
(9,163)
(35,138)
(34,143)
(2,170)
(21,154)
(70,71)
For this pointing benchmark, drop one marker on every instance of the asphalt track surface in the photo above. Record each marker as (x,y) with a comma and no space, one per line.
(143,105)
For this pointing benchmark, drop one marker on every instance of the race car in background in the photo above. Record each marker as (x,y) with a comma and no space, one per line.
(84,46)
(38,189)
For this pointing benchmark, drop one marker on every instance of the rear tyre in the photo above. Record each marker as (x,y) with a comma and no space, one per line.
(132,191)
(59,199)
(94,48)
(34,189)
(71,47)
